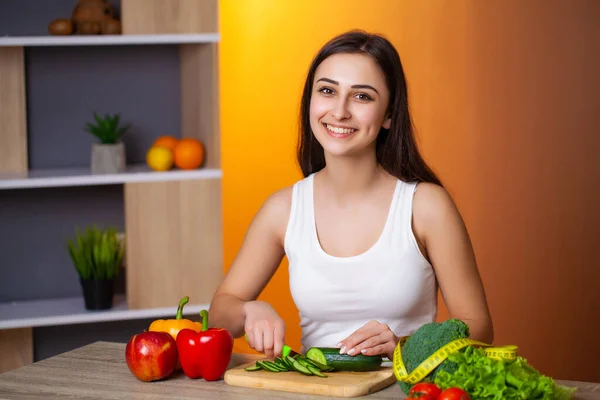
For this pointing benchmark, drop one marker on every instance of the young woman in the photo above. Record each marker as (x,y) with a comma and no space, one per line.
(369,232)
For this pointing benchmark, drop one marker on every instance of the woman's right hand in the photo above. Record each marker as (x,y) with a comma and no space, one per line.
(264,328)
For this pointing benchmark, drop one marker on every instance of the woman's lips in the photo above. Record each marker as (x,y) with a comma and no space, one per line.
(339,132)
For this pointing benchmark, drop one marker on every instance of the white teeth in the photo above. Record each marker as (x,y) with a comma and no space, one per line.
(339,130)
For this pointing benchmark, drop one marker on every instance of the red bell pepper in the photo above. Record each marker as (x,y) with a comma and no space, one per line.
(205,354)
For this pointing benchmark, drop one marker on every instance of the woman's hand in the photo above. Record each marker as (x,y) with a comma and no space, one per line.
(264,328)
(374,338)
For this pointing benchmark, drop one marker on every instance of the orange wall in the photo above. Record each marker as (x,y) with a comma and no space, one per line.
(510,134)
(534,104)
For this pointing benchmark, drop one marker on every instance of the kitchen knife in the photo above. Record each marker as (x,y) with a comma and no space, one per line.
(285,351)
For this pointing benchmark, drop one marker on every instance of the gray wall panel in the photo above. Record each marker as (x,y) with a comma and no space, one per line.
(66,84)
(34,224)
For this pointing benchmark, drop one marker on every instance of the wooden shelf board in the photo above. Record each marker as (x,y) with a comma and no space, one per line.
(82,177)
(66,311)
(108,40)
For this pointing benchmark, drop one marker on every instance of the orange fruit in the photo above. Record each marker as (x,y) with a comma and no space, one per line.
(188,154)
(166,141)
(159,158)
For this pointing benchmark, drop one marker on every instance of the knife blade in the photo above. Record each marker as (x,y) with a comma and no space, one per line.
(285,351)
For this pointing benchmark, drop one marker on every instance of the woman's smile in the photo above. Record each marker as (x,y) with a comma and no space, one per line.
(339,132)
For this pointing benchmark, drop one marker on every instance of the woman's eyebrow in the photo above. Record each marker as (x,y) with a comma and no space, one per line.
(353,86)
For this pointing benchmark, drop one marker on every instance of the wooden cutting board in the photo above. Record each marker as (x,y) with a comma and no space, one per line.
(337,384)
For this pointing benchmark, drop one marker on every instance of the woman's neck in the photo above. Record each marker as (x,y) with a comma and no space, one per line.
(348,176)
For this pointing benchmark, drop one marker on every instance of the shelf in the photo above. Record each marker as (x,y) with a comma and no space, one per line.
(35,313)
(83,177)
(108,40)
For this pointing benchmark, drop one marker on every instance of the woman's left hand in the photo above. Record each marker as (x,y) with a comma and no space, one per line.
(374,338)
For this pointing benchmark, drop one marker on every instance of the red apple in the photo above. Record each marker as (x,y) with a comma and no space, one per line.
(151,356)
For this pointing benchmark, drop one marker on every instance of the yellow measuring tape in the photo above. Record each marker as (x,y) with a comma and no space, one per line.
(429,364)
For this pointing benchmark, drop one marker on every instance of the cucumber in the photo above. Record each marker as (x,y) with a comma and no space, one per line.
(268,366)
(319,366)
(303,362)
(331,357)
(315,371)
(282,364)
(275,365)
(297,365)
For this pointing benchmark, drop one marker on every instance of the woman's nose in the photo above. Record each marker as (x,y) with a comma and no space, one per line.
(340,110)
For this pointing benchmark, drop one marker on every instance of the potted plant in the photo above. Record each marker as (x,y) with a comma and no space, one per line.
(108,156)
(97,255)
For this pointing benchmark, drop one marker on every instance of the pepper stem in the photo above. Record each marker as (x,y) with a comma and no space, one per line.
(183,302)
(204,315)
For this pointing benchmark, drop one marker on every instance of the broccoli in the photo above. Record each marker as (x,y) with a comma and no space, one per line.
(427,340)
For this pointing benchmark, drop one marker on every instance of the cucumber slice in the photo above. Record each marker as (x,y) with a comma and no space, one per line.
(282,364)
(316,371)
(274,365)
(321,367)
(254,367)
(265,365)
(316,354)
(302,361)
(288,362)
(301,368)
(277,366)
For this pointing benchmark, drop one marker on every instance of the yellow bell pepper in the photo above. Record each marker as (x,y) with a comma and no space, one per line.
(173,326)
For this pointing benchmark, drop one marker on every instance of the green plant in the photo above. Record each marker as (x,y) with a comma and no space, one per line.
(107,128)
(96,253)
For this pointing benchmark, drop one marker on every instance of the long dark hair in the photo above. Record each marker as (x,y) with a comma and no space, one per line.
(396,149)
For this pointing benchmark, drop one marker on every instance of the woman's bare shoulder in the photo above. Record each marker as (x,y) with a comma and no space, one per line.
(432,201)
(279,202)
(275,210)
(433,206)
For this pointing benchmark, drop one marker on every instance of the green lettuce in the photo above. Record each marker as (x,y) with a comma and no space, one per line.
(486,378)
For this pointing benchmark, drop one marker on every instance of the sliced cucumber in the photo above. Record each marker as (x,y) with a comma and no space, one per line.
(303,362)
(290,360)
(321,367)
(331,357)
(267,365)
(316,354)
(282,364)
(288,363)
(315,371)
(297,363)
(277,366)
(301,368)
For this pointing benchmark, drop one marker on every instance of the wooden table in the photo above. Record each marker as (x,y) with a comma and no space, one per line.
(99,371)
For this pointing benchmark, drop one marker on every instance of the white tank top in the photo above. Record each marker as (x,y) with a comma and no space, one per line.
(391,282)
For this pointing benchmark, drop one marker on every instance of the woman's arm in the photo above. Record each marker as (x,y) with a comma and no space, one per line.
(444,240)
(256,262)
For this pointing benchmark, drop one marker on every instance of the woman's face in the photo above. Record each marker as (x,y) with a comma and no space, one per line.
(348,104)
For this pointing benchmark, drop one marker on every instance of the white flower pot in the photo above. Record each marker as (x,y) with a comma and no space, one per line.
(108,158)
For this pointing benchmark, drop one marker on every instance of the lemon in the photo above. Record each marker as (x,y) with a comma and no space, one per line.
(159,158)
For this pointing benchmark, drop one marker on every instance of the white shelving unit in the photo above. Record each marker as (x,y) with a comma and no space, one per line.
(61,177)
(108,40)
(66,311)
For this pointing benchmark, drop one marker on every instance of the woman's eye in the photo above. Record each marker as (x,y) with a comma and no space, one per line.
(326,90)
(364,96)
